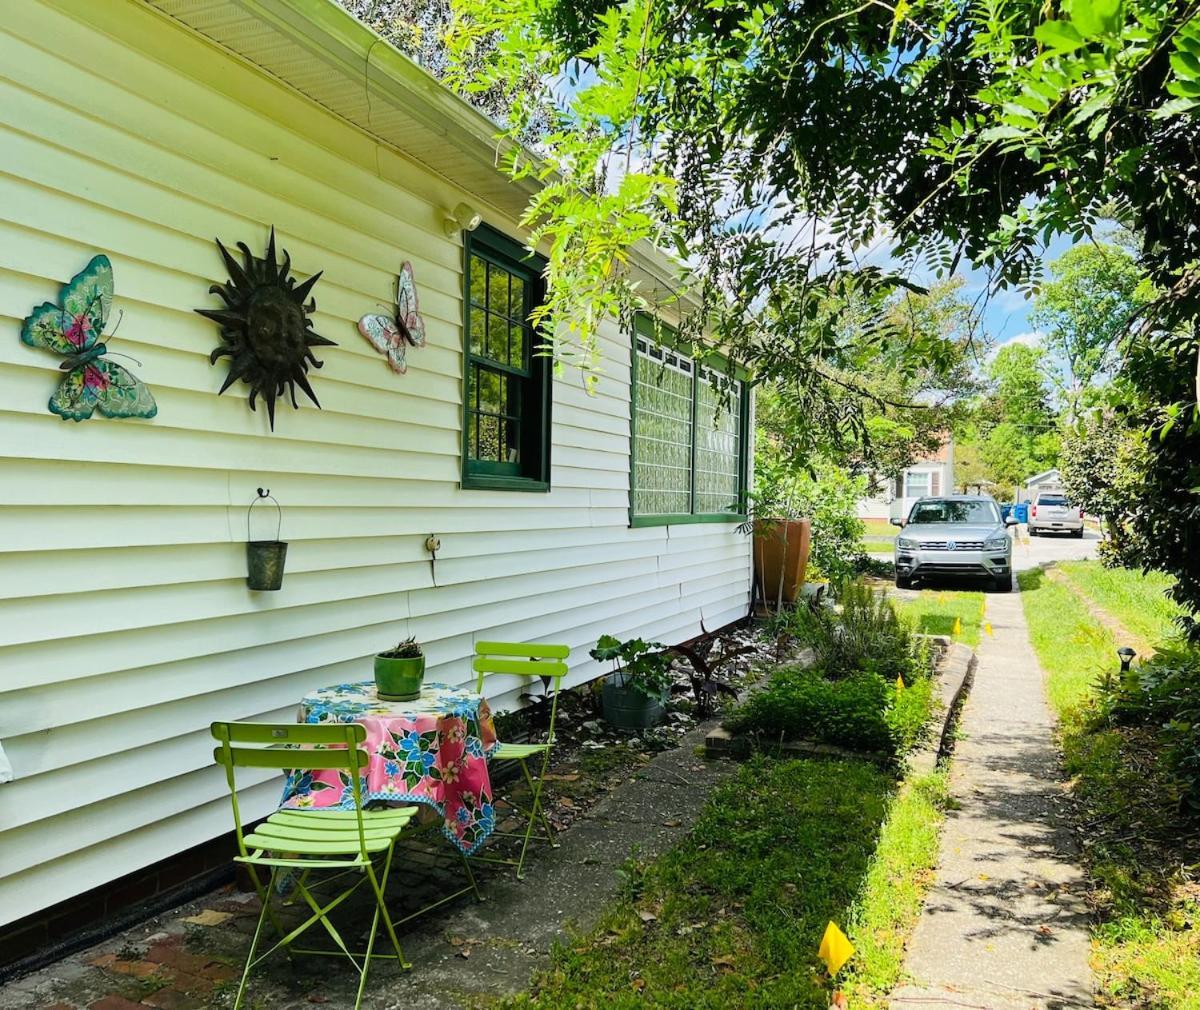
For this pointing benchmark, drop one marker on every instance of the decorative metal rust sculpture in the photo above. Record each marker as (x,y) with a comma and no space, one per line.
(265,328)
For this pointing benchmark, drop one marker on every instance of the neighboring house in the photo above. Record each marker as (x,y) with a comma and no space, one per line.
(932,475)
(142,130)
(1047,480)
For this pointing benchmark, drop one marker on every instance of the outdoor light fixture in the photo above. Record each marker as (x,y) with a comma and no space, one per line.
(1126,655)
(464,217)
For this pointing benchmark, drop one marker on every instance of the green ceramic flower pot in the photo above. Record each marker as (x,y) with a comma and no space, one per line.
(399,679)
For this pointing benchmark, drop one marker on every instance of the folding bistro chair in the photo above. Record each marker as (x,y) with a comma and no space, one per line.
(525,660)
(303,842)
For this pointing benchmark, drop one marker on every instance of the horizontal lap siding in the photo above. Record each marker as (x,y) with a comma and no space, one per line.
(126,623)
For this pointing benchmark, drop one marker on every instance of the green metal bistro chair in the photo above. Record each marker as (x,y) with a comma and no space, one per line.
(525,660)
(312,841)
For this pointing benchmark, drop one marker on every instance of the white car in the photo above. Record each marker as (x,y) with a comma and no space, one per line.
(958,534)
(1052,512)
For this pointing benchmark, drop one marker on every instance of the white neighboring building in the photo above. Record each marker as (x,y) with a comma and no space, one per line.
(1047,480)
(930,476)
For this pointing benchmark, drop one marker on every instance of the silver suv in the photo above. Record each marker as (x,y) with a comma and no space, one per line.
(954,535)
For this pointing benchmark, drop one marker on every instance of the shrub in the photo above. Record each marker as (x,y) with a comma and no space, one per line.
(1163,693)
(865,636)
(862,712)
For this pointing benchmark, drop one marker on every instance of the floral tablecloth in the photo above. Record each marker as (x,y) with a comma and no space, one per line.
(432,750)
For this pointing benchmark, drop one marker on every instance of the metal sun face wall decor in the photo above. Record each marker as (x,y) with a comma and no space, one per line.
(389,334)
(266,331)
(73,329)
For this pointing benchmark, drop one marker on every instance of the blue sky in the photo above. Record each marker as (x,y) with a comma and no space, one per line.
(1006,313)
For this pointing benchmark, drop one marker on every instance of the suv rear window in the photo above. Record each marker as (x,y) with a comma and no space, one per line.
(1051,499)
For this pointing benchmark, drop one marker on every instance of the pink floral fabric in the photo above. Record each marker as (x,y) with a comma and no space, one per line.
(432,750)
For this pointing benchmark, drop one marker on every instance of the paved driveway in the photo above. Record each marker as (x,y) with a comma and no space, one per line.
(1029,552)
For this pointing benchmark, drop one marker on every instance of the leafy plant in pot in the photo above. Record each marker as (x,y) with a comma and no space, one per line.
(399,672)
(634,695)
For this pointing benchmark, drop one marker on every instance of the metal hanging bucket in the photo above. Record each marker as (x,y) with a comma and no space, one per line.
(265,558)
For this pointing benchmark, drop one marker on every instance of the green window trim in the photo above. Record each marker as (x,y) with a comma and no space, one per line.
(506,385)
(674,412)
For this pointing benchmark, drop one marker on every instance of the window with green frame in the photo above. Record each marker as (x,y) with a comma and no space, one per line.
(689,435)
(506,386)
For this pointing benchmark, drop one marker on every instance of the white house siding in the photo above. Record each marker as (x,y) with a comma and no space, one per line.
(125,623)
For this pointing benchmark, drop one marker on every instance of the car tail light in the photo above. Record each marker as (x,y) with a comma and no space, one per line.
(1033,511)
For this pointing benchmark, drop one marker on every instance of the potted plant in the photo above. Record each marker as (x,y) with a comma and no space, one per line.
(782,535)
(634,695)
(400,671)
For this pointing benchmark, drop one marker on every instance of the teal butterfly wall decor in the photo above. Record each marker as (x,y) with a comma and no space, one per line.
(73,329)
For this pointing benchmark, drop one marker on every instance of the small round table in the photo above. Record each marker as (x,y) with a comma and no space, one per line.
(431,750)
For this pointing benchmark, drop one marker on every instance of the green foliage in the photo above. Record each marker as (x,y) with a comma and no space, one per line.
(862,712)
(1104,464)
(1095,293)
(778,149)
(737,910)
(828,495)
(1017,425)
(864,636)
(892,895)
(643,666)
(1139,601)
(1164,693)
(407,649)
(848,697)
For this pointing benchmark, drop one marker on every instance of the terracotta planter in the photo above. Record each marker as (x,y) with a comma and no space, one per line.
(781,544)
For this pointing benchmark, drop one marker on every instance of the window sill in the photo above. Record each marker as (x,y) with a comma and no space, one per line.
(496,482)
(682,520)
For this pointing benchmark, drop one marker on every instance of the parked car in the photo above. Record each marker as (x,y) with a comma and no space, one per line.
(1052,512)
(962,535)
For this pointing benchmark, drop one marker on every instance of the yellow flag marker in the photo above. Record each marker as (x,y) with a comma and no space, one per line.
(987,627)
(899,683)
(835,949)
(958,625)
(941,597)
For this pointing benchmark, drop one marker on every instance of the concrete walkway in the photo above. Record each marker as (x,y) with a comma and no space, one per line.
(1005,924)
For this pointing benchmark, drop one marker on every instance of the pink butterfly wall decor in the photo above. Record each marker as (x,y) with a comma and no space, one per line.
(389,335)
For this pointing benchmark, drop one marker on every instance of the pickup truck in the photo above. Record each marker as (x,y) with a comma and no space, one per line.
(1051,512)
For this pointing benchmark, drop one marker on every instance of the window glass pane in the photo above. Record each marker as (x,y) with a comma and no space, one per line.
(491,398)
(489,438)
(718,443)
(916,484)
(662,434)
(513,442)
(478,332)
(506,406)
(478,281)
(497,290)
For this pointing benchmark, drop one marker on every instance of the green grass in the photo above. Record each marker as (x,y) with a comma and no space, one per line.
(934,612)
(875,547)
(1147,940)
(900,872)
(1074,649)
(1137,600)
(734,915)
(879,528)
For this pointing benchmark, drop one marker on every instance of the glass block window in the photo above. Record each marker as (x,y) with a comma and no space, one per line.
(506,386)
(663,449)
(689,454)
(718,443)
